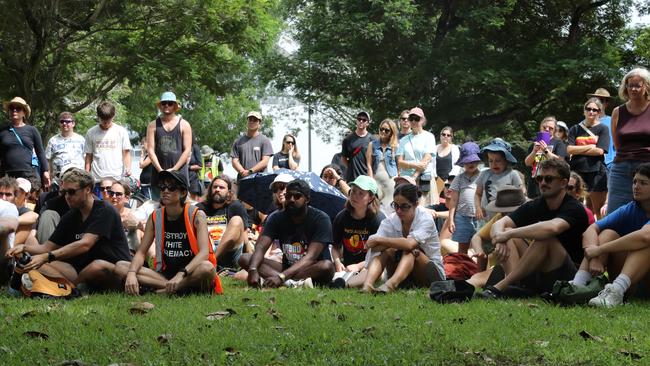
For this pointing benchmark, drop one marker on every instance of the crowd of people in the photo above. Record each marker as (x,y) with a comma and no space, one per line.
(417,213)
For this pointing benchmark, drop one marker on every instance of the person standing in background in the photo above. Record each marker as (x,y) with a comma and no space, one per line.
(251,152)
(66,148)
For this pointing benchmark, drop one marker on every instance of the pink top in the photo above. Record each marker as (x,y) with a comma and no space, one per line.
(633,135)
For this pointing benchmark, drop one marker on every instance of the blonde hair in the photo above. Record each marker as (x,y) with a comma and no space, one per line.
(641,72)
(393,142)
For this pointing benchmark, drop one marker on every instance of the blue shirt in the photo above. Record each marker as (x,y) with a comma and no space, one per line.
(611,153)
(625,219)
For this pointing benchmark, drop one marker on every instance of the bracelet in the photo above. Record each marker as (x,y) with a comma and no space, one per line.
(131,271)
(252,269)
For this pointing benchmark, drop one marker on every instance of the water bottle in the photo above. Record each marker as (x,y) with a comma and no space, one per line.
(14,285)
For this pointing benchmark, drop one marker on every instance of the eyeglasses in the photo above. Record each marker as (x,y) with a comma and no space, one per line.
(595,110)
(6,194)
(546,178)
(445,134)
(402,207)
(66,121)
(404,118)
(70,191)
(279,187)
(290,142)
(168,103)
(360,119)
(15,108)
(385,130)
(634,86)
(104,189)
(294,196)
(570,187)
(170,188)
(114,194)
(414,118)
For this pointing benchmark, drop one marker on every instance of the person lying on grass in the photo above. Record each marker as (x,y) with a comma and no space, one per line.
(304,234)
(86,243)
(406,245)
(184,261)
(620,244)
(352,226)
(555,221)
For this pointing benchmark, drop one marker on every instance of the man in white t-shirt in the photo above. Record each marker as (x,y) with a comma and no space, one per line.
(416,156)
(108,149)
(65,148)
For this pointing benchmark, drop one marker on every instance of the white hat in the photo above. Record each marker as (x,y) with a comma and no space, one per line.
(281,178)
(24,184)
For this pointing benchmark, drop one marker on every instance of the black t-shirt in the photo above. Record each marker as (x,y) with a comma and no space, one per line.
(17,157)
(217,218)
(570,211)
(295,238)
(177,251)
(351,234)
(281,160)
(579,137)
(56,203)
(103,221)
(354,148)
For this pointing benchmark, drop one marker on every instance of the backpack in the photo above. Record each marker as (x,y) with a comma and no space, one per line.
(37,285)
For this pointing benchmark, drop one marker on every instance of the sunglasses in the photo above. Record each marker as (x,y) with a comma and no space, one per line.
(170,188)
(634,86)
(279,187)
(414,118)
(69,191)
(14,108)
(66,121)
(104,189)
(168,103)
(6,194)
(402,207)
(362,119)
(546,178)
(595,110)
(404,118)
(384,130)
(445,134)
(294,196)
(290,142)
(114,194)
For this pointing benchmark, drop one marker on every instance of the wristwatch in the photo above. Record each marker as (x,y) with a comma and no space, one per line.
(250,171)
(184,272)
(282,276)
(50,257)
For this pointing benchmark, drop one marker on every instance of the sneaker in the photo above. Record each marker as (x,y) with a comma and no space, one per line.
(609,297)
(490,293)
(338,283)
(306,283)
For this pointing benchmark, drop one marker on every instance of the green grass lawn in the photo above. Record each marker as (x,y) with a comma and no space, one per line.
(318,327)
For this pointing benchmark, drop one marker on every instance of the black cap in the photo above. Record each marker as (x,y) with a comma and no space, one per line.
(299,185)
(176,176)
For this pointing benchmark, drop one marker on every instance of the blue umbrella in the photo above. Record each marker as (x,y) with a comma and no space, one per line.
(255,191)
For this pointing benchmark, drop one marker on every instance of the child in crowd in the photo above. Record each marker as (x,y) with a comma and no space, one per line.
(462,215)
(500,173)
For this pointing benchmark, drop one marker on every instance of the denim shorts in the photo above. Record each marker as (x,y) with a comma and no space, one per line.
(620,184)
(230,259)
(466,227)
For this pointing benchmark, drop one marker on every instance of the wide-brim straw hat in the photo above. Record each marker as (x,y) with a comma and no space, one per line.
(600,93)
(19,101)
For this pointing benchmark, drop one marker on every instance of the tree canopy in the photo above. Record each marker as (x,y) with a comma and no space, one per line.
(475,65)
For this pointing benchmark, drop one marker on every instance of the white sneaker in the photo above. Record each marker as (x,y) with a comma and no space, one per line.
(609,297)
(306,283)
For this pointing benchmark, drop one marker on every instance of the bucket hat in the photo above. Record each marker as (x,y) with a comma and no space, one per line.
(500,145)
(469,153)
(168,97)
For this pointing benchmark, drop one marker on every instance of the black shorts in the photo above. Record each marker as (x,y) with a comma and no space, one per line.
(595,181)
(541,282)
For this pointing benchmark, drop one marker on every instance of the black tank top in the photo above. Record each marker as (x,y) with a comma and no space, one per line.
(443,166)
(168,147)
(177,251)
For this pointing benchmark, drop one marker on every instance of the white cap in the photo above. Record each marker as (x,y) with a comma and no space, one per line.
(24,184)
(281,178)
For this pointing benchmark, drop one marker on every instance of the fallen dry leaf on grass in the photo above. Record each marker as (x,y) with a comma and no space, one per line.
(274,313)
(29,314)
(218,315)
(141,308)
(231,351)
(164,338)
(73,363)
(36,334)
(585,335)
(314,303)
(630,354)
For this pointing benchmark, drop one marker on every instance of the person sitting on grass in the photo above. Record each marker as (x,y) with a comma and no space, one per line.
(8,226)
(304,233)
(619,244)
(406,245)
(227,221)
(86,243)
(352,226)
(578,190)
(119,195)
(184,261)
(555,221)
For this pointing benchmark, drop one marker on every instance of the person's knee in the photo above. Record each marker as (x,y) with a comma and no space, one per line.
(121,268)
(98,267)
(244,260)
(236,223)
(204,268)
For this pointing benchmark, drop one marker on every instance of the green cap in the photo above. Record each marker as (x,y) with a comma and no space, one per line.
(366,183)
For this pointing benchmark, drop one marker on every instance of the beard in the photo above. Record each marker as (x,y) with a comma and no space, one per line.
(294,211)
(218,199)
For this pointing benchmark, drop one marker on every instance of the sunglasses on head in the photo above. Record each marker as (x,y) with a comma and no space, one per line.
(170,188)
(595,110)
(385,130)
(402,207)
(294,196)
(168,103)
(414,118)
(546,178)
(66,121)
(115,194)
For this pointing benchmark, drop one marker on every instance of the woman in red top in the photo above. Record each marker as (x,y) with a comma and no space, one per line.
(631,133)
